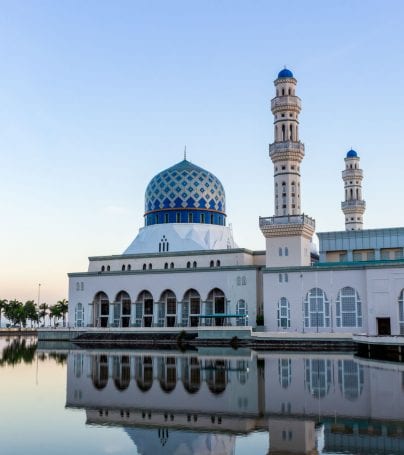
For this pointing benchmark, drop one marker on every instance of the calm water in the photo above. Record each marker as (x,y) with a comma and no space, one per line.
(211,401)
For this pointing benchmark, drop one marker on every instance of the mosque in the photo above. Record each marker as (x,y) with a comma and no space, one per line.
(184,269)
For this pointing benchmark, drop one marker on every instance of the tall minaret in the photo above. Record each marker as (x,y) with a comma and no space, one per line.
(286,152)
(353,206)
(288,233)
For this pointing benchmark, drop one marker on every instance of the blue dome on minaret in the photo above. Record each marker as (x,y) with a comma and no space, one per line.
(285,73)
(351,154)
(185,193)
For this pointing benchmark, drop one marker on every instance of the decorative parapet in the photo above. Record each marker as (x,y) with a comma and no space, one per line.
(290,225)
(353,204)
(283,150)
(286,102)
(352,173)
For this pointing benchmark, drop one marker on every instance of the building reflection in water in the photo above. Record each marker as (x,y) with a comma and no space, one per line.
(201,402)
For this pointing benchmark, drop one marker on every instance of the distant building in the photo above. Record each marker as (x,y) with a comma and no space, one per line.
(184,269)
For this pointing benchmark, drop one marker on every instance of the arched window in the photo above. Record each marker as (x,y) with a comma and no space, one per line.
(103,268)
(144,266)
(357,193)
(171,265)
(194,264)
(280,278)
(285,372)
(286,251)
(239,281)
(188,265)
(351,192)
(283,133)
(283,91)
(350,379)
(78,286)
(242,311)
(280,251)
(108,268)
(316,309)
(123,268)
(318,377)
(284,313)
(289,91)
(129,267)
(401,311)
(291,132)
(150,266)
(212,264)
(218,263)
(79,315)
(243,280)
(348,308)
(166,265)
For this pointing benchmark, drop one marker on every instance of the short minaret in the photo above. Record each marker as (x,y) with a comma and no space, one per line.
(353,206)
(289,232)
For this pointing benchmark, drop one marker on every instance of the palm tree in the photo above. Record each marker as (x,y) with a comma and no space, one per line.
(55,313)
(64,307)
(3,304)
(43,311)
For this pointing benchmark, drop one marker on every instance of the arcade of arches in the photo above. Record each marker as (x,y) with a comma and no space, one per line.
(168,311)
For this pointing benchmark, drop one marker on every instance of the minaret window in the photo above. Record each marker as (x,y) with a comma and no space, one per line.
(283,132)
(283,92)
(291,132)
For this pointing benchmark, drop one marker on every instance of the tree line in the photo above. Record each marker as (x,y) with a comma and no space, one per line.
(29,314)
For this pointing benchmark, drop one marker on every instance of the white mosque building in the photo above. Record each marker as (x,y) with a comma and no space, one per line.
(184,269)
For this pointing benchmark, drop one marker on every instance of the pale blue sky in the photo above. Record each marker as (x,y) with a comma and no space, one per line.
(97,97)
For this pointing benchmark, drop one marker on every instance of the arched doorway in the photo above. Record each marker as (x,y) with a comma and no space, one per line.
(168,309)
(101,309)
(144,309)
(122,310)
(191,308)
(99,371)
(216,305)
(121,372)
(167,373)
(144,373)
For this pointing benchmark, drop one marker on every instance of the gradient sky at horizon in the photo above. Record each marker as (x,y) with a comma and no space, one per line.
(97,97)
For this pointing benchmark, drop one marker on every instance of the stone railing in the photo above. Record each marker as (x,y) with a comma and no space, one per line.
(295,146)
(352,173)
(280,101)
(288,219)
(353,203)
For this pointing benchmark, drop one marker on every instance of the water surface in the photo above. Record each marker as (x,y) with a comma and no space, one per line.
(210,401)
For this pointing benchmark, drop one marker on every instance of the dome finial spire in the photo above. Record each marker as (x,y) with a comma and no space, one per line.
(185,153)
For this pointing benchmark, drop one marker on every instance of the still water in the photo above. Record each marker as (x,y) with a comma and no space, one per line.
(210,401)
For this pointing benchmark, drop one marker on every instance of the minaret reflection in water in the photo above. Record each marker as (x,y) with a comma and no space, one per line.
(204,402)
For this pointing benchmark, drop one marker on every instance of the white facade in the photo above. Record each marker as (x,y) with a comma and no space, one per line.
(184,268)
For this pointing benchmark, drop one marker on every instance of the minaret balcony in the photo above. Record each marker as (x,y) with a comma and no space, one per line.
(286,102)
(287,225)
(296,147)
(353,203)
(352,173)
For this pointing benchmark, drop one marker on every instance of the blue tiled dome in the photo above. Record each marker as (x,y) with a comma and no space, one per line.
(285,73)
(351,154)
(185,193)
